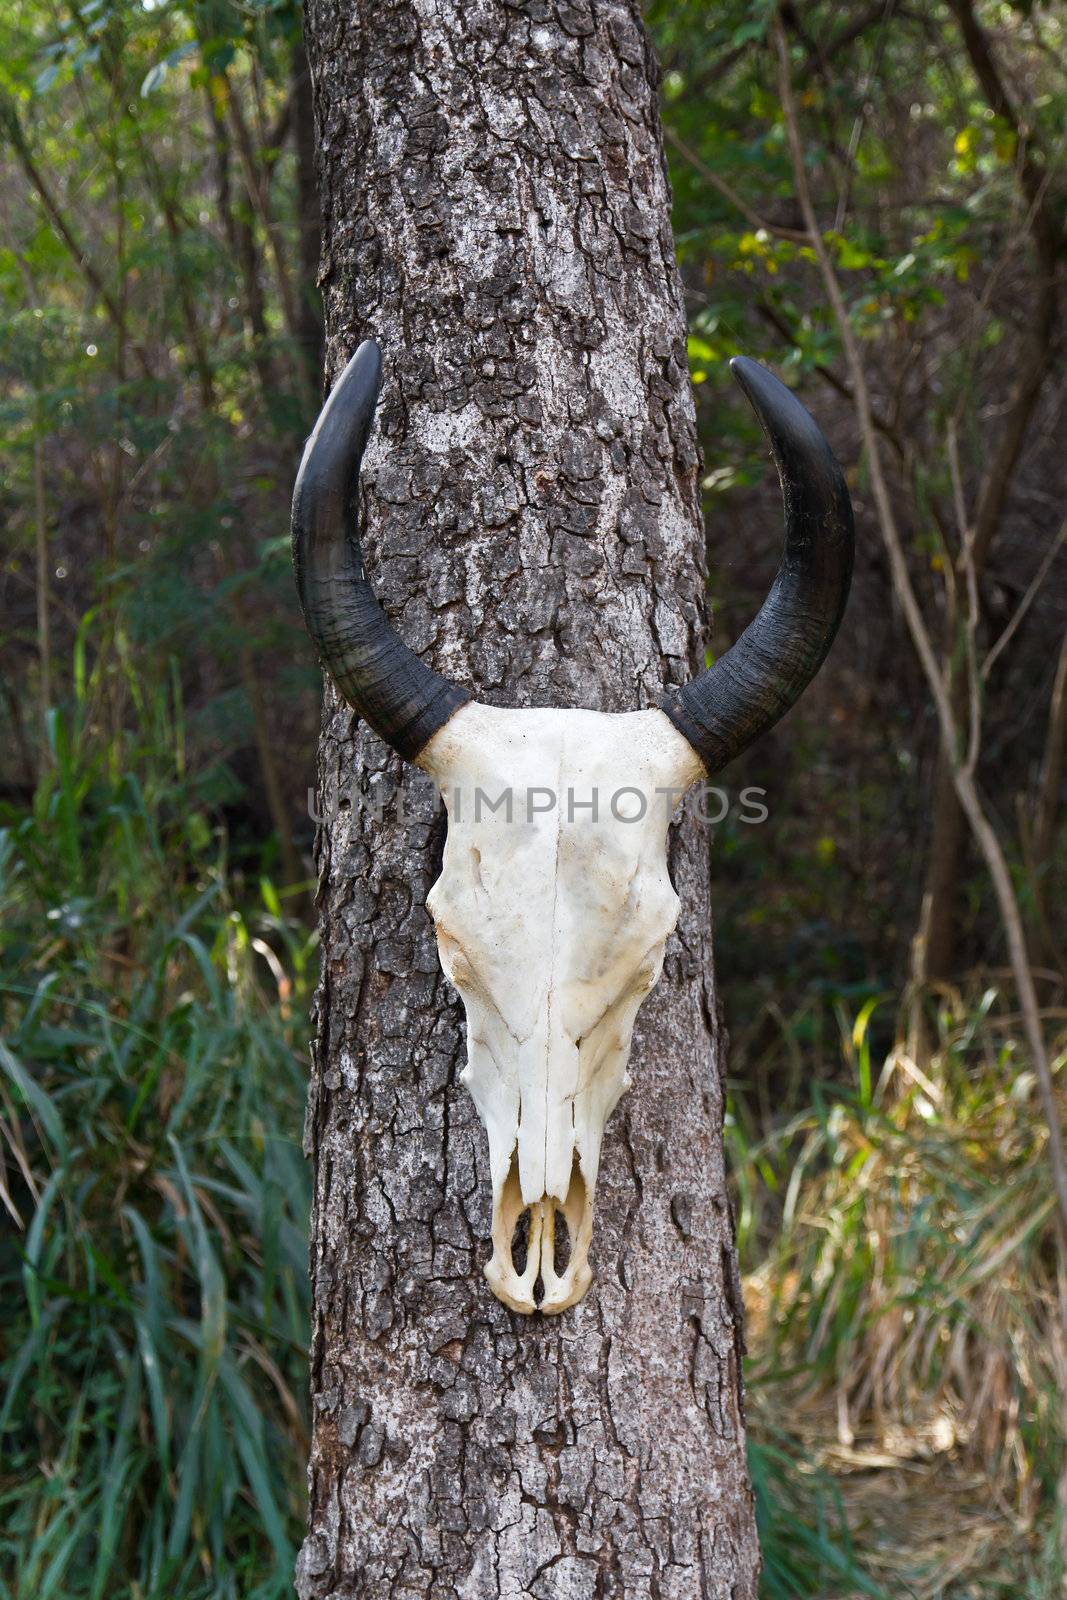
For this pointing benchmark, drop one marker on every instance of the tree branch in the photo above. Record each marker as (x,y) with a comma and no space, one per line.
(1042,318)
(729,193)
(10,124)
(1027,600)
(1033,180)
(1048,800)
(963,779)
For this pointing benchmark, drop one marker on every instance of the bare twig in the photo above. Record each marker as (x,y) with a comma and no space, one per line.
(277,134)
(729,193)
(240,236)
(257,188)
(11,126)
(1048,799)
(193,331)
(1027,600)
(966,537)
(1034,357)
(963,780)
(1042,316)
(1033,181)
(260,201)
(882,15)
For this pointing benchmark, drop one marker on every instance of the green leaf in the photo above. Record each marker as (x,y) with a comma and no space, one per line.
(36,1098)
(113,1502)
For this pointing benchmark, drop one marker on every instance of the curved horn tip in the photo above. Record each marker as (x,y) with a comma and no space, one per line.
(334,448)
(368,356)
(361,379)
(774,403)
(725,708)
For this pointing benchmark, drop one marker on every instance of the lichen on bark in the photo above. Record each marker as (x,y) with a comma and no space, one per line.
(496,214)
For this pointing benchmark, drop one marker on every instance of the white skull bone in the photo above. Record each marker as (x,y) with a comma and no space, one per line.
(552,911)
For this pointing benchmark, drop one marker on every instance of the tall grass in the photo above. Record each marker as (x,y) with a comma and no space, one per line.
(805,1539)
(898,1232)
(153,1299)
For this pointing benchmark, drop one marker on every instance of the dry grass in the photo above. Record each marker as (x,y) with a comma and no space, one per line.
(903,1302)
(924,1523)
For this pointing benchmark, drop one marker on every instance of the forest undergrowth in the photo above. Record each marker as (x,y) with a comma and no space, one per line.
(895,1224)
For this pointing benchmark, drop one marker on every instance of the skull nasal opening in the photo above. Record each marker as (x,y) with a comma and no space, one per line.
(548,1243)
(520,1242)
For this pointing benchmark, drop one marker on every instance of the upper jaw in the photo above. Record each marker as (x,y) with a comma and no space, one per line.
(539,1287)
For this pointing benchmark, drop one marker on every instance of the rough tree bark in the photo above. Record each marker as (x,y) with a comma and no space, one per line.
(496,215)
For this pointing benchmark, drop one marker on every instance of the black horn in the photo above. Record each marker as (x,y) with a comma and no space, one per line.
(404,700)
(765,672)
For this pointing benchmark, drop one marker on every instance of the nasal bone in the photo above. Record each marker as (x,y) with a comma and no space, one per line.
(546,1115)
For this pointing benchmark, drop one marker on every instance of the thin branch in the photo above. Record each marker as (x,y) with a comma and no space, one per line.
(883,14)
(697,86)
(261,205)
(240,236)
(970,643)
(963,781)
(729,193)
(1046,235)
(11,125)
(1027,600)
(277,134)
(1048,799)
(1033,180)
(1035,353)
(858,27)
(193,330)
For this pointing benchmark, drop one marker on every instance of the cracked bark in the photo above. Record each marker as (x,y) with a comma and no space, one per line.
(496,215)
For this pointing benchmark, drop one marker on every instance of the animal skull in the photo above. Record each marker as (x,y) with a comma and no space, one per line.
(552,911)
(554,901)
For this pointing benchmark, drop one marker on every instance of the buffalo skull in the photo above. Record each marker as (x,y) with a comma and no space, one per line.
(554,902)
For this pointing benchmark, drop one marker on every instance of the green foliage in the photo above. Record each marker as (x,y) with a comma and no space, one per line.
(803,1525)
(153,1287)
(915,174)
(160,362)
(153,986)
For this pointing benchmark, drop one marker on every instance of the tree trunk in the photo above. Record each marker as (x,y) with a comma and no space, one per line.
(496,215)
